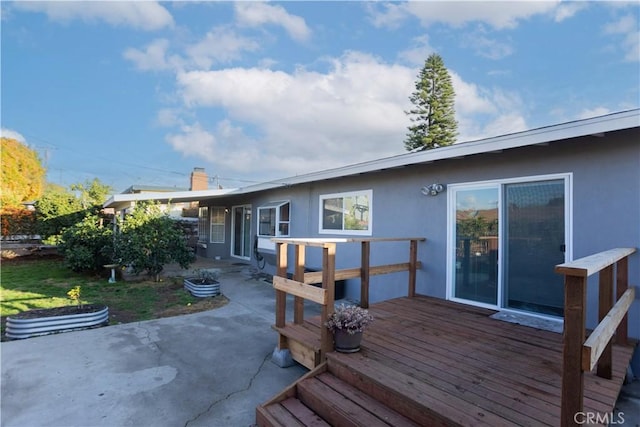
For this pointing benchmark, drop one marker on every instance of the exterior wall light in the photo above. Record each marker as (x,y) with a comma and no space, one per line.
(432,190)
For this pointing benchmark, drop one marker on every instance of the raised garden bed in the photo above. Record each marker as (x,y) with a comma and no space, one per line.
(202,288)
(54,320)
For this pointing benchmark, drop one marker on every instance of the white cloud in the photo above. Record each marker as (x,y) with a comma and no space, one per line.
(255,14)
(486,46)
(483,112)
(220,45)
(194,141)
(153,57)
(420,50)
(169,117)
(12,134)
(458,13)
(469,97)
(592,112)
(567,10)
(287,123)
(391,16)
(143,15)
(627,26)
(505,124)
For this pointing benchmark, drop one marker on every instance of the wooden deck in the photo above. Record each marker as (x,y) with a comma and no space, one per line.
(427,361)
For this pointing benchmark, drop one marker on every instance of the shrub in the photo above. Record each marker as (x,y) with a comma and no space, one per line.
(87,245)
(17,221)
(148,239)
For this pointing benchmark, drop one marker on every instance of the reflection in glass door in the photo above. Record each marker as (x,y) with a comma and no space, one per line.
(507,237)
(476,240)
(534,243)
(241,246)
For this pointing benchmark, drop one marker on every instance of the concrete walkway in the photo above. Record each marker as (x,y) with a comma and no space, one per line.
(205,369)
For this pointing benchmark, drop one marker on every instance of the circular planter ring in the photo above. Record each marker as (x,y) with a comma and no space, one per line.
(201,290)
(19,328)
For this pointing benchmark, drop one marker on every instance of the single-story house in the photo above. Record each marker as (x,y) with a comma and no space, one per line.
(498,214)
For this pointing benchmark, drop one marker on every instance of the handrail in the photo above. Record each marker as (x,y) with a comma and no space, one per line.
(597,342)
(579,355)
(300,286)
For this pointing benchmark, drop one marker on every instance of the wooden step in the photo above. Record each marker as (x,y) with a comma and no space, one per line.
(341,404)
(303,341)
(421,402)
(289,412)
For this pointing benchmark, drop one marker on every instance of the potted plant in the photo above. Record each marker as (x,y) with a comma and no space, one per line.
(204,284)
(347,323)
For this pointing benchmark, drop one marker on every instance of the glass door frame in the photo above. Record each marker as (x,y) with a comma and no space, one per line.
(452,190)
(244,232)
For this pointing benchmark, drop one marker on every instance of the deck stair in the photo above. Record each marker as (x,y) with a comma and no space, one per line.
(360,390)
(330,396)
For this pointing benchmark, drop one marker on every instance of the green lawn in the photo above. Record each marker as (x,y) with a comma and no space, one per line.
(45,283)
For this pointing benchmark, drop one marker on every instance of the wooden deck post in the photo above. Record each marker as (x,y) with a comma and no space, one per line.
(413,258)
(281,296)
(575,300)
(298,302)
(622,283)
(605,302)
(364,274)
(328,283)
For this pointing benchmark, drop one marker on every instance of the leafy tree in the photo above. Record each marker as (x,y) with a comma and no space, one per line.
(87,245)
(59,208)
(23,175)
(148,239)
(92,193)
(433,116)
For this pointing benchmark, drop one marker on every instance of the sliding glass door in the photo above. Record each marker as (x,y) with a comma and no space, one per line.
(534,244)
(241,237)
(506,239)
(476,245)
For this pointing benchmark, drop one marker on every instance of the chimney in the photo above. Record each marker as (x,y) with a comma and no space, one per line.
(199,179)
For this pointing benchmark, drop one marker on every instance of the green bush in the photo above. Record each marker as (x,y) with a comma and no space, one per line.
(87,245)
(148,239)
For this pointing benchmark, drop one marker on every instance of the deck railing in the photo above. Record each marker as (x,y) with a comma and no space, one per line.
(300,286)
(580,355)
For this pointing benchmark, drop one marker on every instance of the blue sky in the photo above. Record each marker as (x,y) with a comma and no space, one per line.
(142,92)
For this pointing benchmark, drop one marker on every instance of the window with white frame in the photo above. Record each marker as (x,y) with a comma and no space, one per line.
(218,216)
(202,224)
(346,213)
(274,219)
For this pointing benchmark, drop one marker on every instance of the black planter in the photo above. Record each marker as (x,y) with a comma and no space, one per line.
(346,342)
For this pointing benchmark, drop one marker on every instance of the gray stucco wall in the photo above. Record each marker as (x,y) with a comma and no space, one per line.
(605,198)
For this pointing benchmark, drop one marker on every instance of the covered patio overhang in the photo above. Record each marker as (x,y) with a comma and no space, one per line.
(118,202)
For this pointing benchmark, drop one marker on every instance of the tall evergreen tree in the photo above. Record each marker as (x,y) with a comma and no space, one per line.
(433,116)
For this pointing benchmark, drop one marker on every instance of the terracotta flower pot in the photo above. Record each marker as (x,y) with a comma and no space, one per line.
(346,342)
